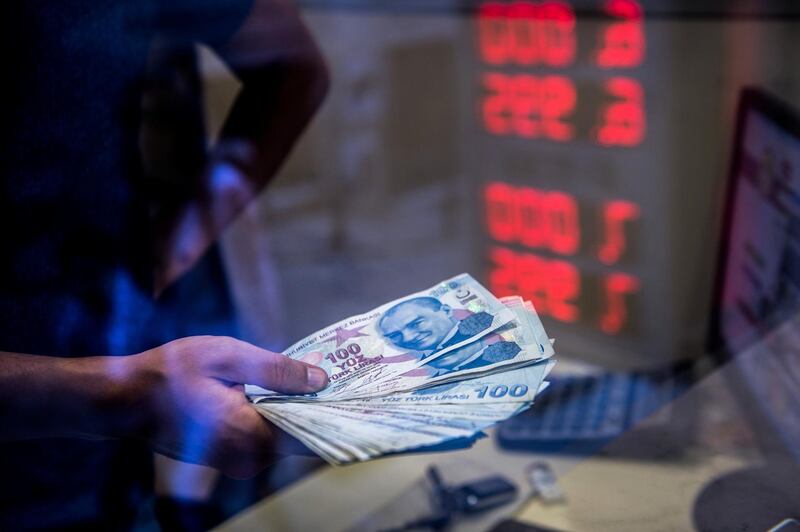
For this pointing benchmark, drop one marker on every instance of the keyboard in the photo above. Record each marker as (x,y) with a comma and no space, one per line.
(579,414)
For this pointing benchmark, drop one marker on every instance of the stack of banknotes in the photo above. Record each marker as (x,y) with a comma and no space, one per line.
(434,366)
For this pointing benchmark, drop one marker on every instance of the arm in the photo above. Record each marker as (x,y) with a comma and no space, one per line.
(183,398)
(284,80)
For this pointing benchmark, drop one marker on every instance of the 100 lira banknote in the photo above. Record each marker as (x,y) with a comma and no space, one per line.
(398,336)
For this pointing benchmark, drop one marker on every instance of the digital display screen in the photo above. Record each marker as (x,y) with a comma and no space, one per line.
(569,254)
(516,39)
(524,221)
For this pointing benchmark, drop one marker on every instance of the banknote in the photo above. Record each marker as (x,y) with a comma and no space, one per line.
(517,385)
(518,343)
(363,433)
(442,364)
(347,435)
(394,338)
(346,431)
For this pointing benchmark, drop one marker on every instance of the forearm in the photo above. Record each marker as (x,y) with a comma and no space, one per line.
(284,80)
(183,398)
(277,101)
(87,397)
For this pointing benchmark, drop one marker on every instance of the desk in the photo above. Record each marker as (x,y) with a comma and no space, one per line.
(344,496)
(604,492)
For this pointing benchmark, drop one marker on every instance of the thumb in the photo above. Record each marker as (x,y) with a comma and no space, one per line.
(273,371)
(282,374)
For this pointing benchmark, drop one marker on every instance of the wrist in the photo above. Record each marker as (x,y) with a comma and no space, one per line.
(119,394)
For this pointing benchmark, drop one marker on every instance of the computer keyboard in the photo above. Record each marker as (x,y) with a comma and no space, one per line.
(576,414)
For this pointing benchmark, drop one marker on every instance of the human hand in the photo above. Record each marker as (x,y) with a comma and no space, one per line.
(192,389)
(185,231)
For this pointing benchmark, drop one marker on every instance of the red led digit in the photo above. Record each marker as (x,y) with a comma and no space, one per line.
(564,235)
(615,215)
(563,288)
(616,287)
(527,33)
(497,104)
(493,33)
(532,218)
(623,122)
(558,33)
(553,286)
(558,98)
(626,9)
(527,105)
(622,44)
(542,105)
(501,212)
(525,24)
(503,272)
(532,279)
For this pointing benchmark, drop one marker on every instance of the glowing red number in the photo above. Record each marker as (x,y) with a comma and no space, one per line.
(531,273)
(498,104)
(558,29)
(503,275)
(532,218)
(564,234)
(622,44)
(623,122)
(616,287)
(501,212)
(615,214)
(528,106)
(552,286)
(563,286)
(527,103)
(627,9)
(527,33)
(493,34)
(558,100)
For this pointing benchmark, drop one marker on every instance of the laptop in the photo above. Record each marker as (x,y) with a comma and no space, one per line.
(757,291)
(755,322)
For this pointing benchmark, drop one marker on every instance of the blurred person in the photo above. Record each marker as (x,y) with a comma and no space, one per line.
(85,393)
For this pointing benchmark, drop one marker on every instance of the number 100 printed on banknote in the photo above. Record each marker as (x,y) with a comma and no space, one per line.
(399,336)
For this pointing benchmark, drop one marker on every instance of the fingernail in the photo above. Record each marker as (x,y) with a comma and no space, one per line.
(317,378)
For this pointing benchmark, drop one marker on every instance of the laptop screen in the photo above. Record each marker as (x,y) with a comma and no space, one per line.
(756,318)
(759,277)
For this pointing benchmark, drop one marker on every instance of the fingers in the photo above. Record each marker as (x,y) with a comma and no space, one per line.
(241,362)
(231,437)
(247,450)
(200,412)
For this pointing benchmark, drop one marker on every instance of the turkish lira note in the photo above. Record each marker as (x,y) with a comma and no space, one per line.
(397,336)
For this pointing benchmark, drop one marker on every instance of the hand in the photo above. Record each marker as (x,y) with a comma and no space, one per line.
(197,408)
(186,231)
